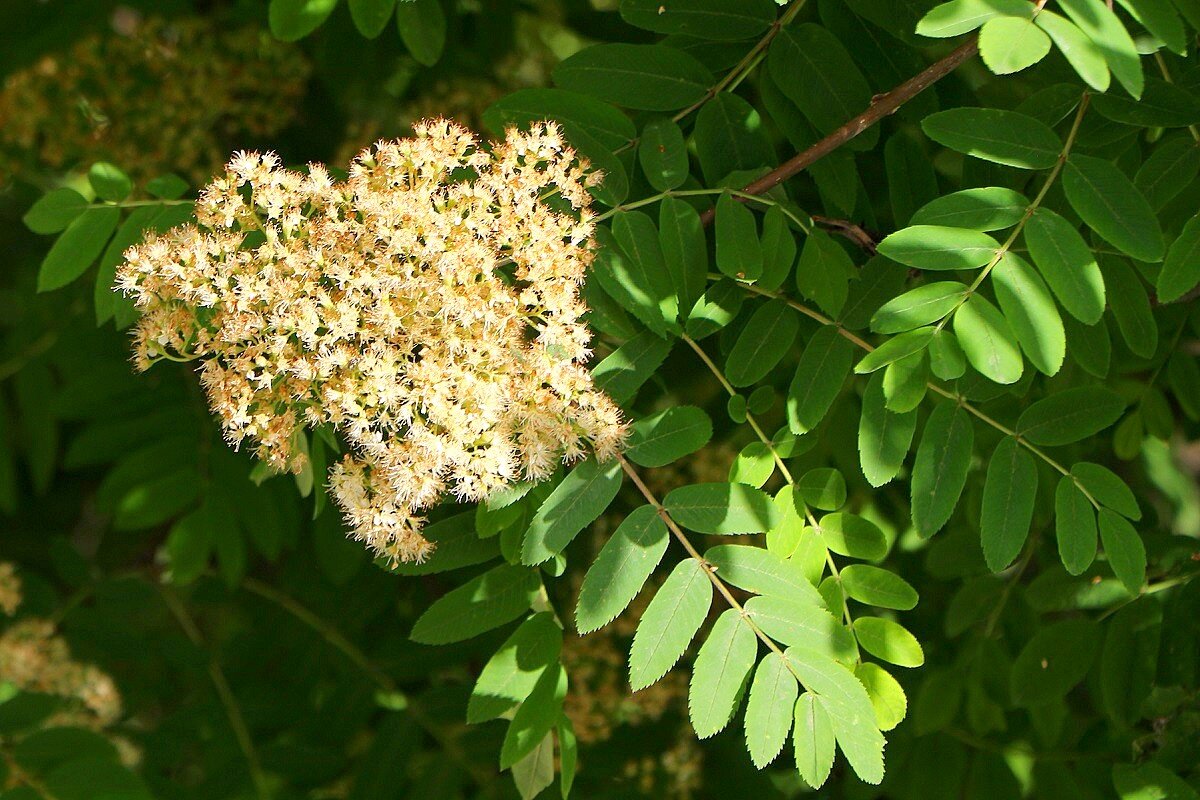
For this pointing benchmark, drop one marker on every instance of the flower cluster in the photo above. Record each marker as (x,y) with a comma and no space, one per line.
(34,658)
(149,93)
(427,309)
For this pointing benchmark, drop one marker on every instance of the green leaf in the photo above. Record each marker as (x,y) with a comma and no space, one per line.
(533,773)
(878,587)
(646,77)
(109,182)
(620,374)
(1170,168)
(937,247)
(663,154)
(568,745)
(763,343)
(729,136)
(769,709)
(759,571)
(681,235)
(946,357)
(911,179)
(823,488)
(54,211)
(993,134)
(669,623)
(1089,346)
(905,382)
(422,26)
(1011,44)
(754,465)
(1031,313)
(1124,549)
(1067,264)
(852,536)
(779,249)
(1080,51)
(718,20)
(79,245)
(487,601)
(849,708)
(814,741)
(1150,781)
(823,272)
(940,471)
(621,569)
(573,505)
(887,696)
(739,253)
(1181,270)
(667,436)
(511,673)
(1101,25)
(963,16)
(291,20)
(1160,19)
(577,113)
(833,90)
(889,641)
(988,340)
(1070,415)
(1130,306)
(879,280)
(457,546)
(720,673)
(1113,207)
(1053,661)
(188,547)
(722,508)
(1074,526)
(795,622)
(535,717)
(1162,105)
(819,377)
(371,16)
(894,349)
(1009,493)
(883,436)
(916,307)
(644,274)
(989,208)
(1107,488)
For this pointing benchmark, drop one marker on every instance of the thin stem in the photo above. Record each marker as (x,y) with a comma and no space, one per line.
(232,710)
(717,583)
(779,462)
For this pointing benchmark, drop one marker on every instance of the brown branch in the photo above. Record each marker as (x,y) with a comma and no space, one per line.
(858,235)
(881,106)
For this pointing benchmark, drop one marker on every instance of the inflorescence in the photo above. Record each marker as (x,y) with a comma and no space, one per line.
(427,308)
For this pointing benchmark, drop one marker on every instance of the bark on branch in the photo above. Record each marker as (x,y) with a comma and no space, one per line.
(881,106)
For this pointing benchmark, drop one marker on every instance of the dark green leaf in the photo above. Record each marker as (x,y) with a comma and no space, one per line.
(422,26)
(729,136)
(79,245)
(294,19)
(1005,137)
(739,253)
(620,374)
(667,436)
(940,471)
(54,211)
(1070,415)
(1113,207)
(488,601)
(647,77)
(1053,661)
(822,371)
(663,154)
(1074,526)
(1124,549)
(765,340)
(823,272)
(883,436)
(1067,264)
(371,16)
(1009,493)
(1181,269)
(722,508)
(719,20)
(510,675)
